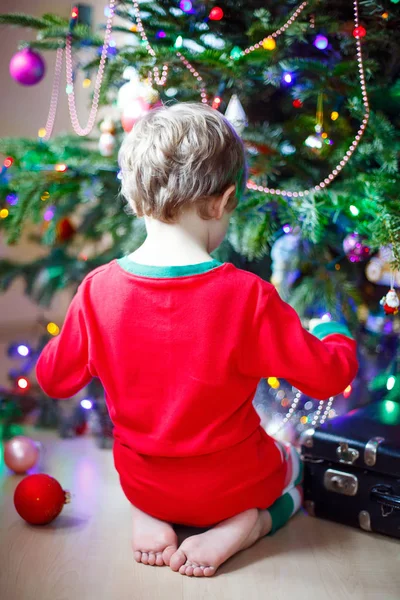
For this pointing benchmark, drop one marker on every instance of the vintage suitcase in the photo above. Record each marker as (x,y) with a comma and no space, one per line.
(352,468)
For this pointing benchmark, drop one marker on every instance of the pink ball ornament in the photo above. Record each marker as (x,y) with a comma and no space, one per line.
(354,248)
(20,454)
(27,67)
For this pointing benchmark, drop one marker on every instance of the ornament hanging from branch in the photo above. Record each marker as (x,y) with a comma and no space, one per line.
(236,115)
(27,67)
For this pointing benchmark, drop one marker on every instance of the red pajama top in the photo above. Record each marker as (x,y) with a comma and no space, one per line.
(180,352)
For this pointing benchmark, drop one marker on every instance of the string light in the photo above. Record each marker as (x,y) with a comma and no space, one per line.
(8,162)
(295,15)
(179,42)
(42,132)
(289,413)
(4,212)
(347,391)
(385,15)
(297,103)
(74,12)
(342,163)
(273,382)
(86,403)
(287,77)
(269,43)
(390,382)
(354,210)
(99,78)
(52,328)
(334,115)
(86,82)
(23,350)
(236,53)
(216,102)
(12,199)
(321,42)
(195,74)
(216,13)
(60,167)
(22,383)
(45,196)
(359,31)
(185,5)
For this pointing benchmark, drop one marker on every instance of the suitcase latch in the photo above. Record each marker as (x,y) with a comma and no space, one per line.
(345,454)
(341,483)
(371,450)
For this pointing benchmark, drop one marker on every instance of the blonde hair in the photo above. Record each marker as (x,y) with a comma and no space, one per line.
(181,155)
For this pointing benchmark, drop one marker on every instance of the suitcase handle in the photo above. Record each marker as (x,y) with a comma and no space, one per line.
(384,495)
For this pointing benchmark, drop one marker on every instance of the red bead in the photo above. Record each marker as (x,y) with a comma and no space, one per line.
(39,499)
(297,103)
(359,31)
(216,13)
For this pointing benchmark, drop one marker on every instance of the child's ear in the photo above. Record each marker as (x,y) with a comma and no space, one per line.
(220,202)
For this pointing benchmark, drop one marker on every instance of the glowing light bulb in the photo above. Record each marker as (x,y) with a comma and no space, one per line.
(297,103)
(273,382)
(287,77)
(4,212)
(179,42)
(334,115)
(41,132)
(86,82)
(22,383)
(12,199)
(23,350)
(347,391)
(390,382)
(60,167)
(88,404)
(354,210)
(269,43)
(236,53)
(359,32)
(53,329)
(185,5)
(74,12)
(8,162)
(216,13)
(321,42)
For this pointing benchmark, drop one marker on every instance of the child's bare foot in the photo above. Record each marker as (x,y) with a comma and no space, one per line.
(154,541)
(201,555)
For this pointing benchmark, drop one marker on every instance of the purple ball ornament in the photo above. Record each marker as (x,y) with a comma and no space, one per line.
(354,248)
(27,67)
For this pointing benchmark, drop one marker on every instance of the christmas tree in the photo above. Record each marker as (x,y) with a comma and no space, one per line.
(313,88)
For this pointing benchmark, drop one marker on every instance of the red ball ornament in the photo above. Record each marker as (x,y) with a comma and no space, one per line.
(64,230)
(216,13)
(39,499)
(297,103)
(359,31)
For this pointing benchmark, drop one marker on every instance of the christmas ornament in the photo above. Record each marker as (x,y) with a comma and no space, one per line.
(354,248)
(216,13)
(390,302)
(39,499)
(297,103)
(379,270)
(107,137)
(135,99)
(20,454)
(235,114)
(64,230)
(27,67)
(284,259)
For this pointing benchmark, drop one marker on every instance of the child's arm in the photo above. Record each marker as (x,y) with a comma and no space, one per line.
(283,348)
(62,369)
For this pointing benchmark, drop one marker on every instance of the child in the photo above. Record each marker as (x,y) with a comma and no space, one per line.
(180,342)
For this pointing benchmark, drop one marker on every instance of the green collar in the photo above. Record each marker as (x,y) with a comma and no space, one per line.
(165,272)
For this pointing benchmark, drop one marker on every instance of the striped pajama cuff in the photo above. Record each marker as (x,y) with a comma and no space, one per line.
(292,496)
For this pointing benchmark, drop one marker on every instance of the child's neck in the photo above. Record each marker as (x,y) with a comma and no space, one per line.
(172,244)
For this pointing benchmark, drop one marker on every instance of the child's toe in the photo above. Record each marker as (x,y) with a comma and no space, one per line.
(145,558)
(178,559)
(198,571)
(209,571)
(159,559)
(151,559)
(137,556)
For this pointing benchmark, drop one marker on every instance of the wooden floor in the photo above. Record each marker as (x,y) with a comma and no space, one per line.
(85,554)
